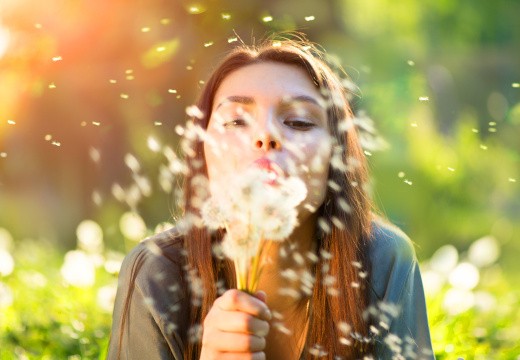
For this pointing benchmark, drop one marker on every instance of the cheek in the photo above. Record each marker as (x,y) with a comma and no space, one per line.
(315,170)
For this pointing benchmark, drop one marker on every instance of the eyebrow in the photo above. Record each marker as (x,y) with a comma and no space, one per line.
(301,98)
(248,100)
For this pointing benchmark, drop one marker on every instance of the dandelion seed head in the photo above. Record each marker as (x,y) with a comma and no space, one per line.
(106,297)
(78,269)
(6,296)
(6,239)
(432,281)
(90,236)
(267,19)
(444,259)
(484,252)
(310,18)
(113,261)
(6,262)
(465,276)
(424,98)
(457,301)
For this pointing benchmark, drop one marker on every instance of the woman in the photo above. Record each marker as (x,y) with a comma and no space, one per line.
(280,108)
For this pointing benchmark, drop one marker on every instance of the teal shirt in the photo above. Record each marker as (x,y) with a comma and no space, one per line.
(157,314)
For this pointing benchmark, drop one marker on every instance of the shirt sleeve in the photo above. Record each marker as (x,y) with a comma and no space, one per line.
(151,300)
(398,305)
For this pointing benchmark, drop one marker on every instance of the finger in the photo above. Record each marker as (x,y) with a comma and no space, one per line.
(241,356)
(235,342)
(261,295)
(241,322)
(235,300)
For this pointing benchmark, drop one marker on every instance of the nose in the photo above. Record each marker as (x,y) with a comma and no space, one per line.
(266,141)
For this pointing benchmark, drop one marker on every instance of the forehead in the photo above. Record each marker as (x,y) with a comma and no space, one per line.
(267,81)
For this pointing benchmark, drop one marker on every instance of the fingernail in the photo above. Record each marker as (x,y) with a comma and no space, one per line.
(266,314)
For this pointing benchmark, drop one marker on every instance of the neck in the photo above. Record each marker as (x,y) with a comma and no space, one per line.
(288,266)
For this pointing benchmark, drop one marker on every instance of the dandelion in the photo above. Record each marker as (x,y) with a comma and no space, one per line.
(465,276)
(255,213)
(90,237)
(444,259)
(483,252)
(6,263)
(6,239)
(132,226)
(106,297)
(78,269)
(6,296)
(113,262)
(457,301)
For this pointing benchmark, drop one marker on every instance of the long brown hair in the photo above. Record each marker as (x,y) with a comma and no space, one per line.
(345,216)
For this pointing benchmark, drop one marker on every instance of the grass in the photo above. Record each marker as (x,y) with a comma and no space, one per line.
(51,319)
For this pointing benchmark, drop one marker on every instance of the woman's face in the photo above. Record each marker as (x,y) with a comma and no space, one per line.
(271,116)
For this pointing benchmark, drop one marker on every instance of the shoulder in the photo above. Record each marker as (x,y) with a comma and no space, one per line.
(391,257)
(156,261)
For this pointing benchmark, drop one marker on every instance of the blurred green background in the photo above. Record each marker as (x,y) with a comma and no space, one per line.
(91,93)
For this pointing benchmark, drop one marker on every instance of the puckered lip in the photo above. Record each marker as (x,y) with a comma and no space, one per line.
(273,169)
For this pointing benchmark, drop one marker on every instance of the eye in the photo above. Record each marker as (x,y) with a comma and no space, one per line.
(238,122)
(299,123)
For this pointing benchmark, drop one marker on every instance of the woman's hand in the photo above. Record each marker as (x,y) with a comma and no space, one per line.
(236,327)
